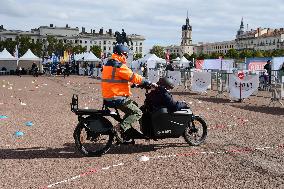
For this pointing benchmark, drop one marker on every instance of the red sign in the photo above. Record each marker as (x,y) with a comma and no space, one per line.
(199,64)
(241,75)
(256,66)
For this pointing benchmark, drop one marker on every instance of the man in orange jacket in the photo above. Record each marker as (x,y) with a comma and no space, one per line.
(116,81)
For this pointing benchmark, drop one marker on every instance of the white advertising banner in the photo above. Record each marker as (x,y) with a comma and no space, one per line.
(200,81)
(153,76)
(277,63)
(215,64)
(243,88)
(175,76)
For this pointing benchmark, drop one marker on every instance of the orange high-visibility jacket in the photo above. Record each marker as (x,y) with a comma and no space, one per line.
(116,79)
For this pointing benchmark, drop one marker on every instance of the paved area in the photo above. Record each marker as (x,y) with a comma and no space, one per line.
(244,148)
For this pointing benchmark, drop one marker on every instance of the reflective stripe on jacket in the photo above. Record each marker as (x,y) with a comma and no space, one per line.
(116,79)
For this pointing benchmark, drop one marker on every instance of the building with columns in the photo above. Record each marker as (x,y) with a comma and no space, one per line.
(254,39)
(103,39)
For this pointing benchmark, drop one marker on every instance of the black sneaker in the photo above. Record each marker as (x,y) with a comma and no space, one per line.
(132,133)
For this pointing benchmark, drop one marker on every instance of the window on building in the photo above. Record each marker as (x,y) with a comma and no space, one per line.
(64,40)
(95,42)
(104,48)
(141,43)
(140,49)
(81,41)
(109,48)
(86,42)
(104,42)
(136,49)
(91,42)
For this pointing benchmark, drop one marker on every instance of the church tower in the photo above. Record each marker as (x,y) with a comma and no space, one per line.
(241,30)
(186,33)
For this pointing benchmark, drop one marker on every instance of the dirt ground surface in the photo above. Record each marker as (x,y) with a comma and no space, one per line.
(244,147)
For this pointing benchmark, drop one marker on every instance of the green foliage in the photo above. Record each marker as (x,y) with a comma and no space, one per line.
(173,56)
(232,53)
(246,54)
(203,56)
(96,50)
(257,53)
(137,56)
(187,56)
(9,45)
(158,51)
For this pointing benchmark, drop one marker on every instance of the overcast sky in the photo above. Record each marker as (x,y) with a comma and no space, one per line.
(159,21)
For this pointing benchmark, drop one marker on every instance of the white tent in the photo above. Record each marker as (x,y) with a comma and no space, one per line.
(5,55)
(90,57)
(29,55)
(7,61)
(183,62)
(26,61)
(177,59)
(151,60)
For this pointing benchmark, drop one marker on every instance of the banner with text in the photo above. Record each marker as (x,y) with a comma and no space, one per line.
(175,76)
(243,88)
(218,64)
(200,81)
(153,76)
(254,64)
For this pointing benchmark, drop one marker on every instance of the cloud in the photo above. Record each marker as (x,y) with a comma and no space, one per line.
(159,21)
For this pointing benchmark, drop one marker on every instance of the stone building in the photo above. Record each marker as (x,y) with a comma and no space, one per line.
(103,39)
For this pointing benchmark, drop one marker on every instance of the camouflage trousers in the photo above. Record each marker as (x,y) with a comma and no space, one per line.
(132,114)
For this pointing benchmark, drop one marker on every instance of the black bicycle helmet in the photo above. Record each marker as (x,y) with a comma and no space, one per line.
(120,49)
(166,82)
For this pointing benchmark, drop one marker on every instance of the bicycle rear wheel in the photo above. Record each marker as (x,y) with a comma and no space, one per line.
(91,143)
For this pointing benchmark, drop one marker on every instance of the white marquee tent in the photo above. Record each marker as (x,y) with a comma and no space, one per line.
(90,57)
(28,59)
(7,61)
(184,62)
(151,60)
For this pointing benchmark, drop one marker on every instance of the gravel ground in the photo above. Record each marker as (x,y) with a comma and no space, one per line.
(244,148)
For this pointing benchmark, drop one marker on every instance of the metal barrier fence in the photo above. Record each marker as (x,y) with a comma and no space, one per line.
(220,81)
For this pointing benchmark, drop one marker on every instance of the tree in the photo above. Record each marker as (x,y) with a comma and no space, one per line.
(214,55)
(232,53)
(51,42)
(96,50)
(192,56)
(246,54)
(257,53)
(137,56)
(187,56)
(173,56)
(202,56)
(158,51)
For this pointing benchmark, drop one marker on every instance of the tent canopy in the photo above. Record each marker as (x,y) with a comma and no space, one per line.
(91,57)
(5,55)
(183,60)
(177,59)
(29,55)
